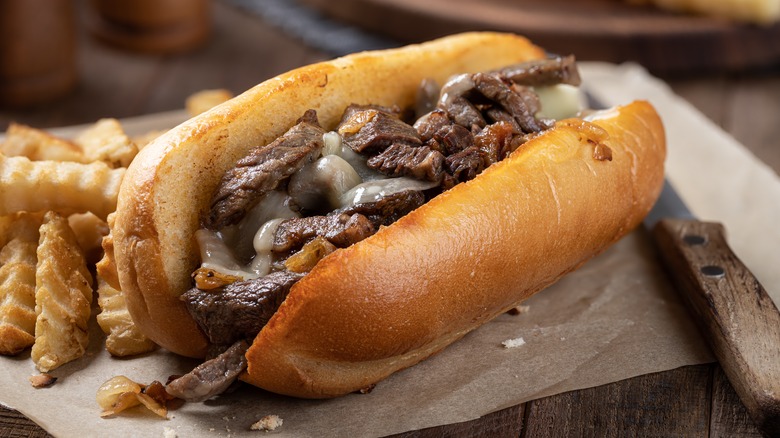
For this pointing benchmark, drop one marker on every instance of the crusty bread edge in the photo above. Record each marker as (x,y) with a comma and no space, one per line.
(463,258)
(168,185)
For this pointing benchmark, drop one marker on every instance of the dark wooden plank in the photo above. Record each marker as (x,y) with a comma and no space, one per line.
(15,425)
(605,30)
(673,403)
(729,417)
(733,310)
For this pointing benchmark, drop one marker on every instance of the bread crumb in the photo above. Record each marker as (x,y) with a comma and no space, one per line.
(518,310)
(267,423)
(513,343)
(169,433)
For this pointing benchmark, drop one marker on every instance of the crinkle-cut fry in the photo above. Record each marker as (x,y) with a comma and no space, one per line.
(124,338)
(63,294)
(106,141)
(89,230)
(17,281)
(38,145)
(106,267)
(204,100)
(65,187)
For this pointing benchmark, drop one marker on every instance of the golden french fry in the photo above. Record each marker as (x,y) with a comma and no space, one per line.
(144,139)
(63,294)
(65,187)
(36,144)
(17,282)
(204,100)
(124,338)
(106,267)
(89,230)
(106,141)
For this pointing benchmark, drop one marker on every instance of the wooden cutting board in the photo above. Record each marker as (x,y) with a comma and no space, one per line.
(607,30)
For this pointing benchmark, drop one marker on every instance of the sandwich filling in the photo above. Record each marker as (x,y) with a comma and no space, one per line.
(288,204)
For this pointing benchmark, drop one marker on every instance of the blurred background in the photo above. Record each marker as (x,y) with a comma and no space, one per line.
(65,62)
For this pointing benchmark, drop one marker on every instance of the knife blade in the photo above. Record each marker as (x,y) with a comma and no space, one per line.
(737,317)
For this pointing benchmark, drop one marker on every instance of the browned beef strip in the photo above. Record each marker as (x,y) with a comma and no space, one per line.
(456,96)
(494,88)
(243,186)
(341,230)
(496,114)
(379,131)
(464,113)
(465,165)
(428,125)
(454,138)
(419,162)
(552,71)
(529,96)
(212,377)
(389,208)
(238,310)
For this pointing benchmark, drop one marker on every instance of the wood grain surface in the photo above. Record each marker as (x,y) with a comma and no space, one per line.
(739,319)
(605,30)
(695,401)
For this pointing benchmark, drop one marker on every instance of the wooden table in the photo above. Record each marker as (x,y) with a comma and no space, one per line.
(691,401)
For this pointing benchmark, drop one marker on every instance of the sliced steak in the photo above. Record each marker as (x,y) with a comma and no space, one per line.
(419,162)
(494,88)
(240,309)
(212,377)
(371,131)
(341,230)
(428,125)
(465,165)
(497,115)
(455,101)
(552,71)
(243,186)
(389,208)
(453,139)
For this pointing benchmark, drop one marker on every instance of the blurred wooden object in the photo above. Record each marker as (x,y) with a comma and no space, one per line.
(604,30)
(37,51)
(152,26)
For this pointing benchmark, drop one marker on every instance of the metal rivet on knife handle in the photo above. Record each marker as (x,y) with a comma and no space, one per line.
(737,317)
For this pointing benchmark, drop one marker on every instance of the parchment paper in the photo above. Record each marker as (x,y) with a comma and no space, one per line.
(617,317)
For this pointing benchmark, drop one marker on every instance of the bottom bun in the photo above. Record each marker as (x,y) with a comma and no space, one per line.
(465,257)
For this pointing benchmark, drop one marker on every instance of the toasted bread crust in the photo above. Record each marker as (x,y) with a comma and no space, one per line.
(399,296)
(463,258)
(170,182)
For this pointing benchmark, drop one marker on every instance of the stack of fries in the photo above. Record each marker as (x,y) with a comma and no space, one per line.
(57,198)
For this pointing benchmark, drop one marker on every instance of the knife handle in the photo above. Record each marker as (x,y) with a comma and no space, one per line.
(734,312)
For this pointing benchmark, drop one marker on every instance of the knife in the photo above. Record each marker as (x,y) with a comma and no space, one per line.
(733,311)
